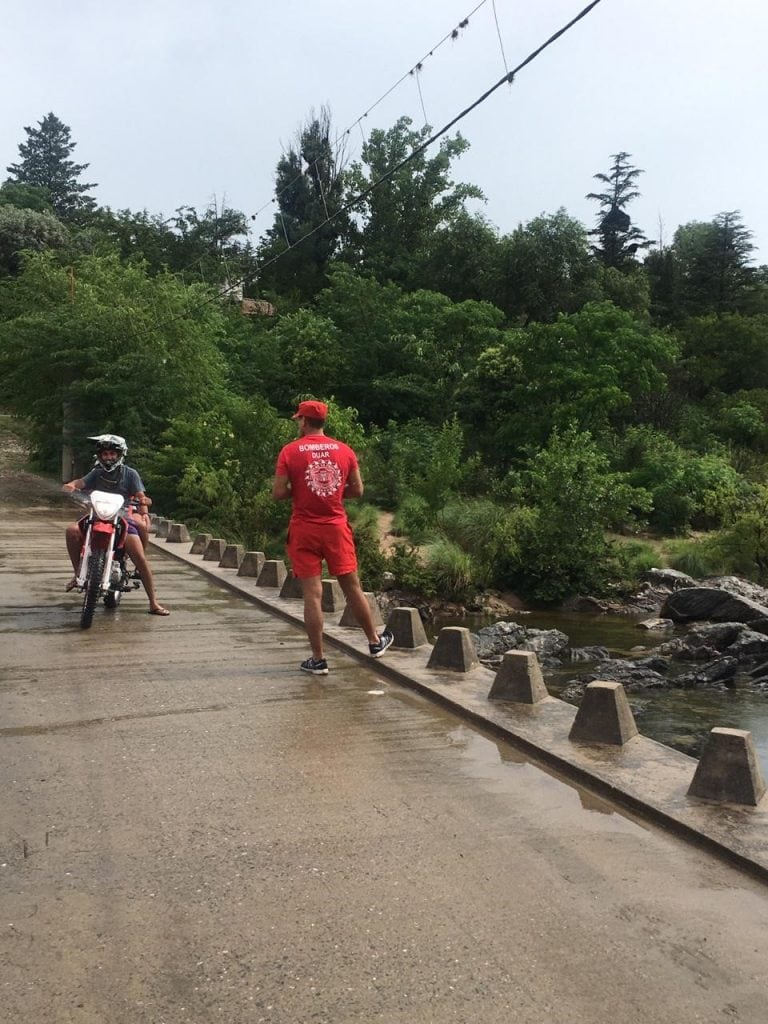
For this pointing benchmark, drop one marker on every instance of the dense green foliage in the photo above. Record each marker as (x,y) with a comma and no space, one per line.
(515,398)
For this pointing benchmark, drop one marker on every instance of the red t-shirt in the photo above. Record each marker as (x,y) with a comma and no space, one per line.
(317,467)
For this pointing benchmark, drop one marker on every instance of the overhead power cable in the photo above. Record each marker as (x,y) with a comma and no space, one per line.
(507,78)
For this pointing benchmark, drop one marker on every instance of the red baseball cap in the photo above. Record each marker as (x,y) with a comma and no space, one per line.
(312,410)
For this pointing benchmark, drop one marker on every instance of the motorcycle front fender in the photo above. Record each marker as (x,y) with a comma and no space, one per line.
(101,535)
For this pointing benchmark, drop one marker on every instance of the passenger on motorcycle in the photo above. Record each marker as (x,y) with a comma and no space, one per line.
(111,474)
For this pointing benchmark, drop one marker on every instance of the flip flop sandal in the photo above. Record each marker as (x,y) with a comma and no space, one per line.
(158,611)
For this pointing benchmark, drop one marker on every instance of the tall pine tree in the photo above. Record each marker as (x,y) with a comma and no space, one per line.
(45,163)
(619,239)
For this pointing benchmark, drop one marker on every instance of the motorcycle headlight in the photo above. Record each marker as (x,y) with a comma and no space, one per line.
(106,506)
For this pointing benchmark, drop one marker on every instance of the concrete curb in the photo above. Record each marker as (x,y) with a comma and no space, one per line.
(642,776)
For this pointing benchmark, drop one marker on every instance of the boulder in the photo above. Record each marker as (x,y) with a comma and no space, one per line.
(710,604)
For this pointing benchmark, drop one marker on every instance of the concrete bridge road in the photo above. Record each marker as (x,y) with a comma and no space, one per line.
(193,831)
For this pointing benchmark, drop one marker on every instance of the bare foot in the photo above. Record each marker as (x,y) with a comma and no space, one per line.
(72,584)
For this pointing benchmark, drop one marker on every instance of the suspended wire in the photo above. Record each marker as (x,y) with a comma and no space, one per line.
(453,34)
(507,78)
(417,75)
(498,33)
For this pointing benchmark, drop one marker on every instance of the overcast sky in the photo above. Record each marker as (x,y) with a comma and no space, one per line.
(175,102)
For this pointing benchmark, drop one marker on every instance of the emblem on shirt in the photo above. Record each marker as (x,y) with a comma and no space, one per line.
(323,477)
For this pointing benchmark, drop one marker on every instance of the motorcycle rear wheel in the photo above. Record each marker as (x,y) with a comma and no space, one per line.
(92,587)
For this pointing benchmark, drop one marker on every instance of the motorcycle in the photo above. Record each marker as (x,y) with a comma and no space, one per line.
(103,571)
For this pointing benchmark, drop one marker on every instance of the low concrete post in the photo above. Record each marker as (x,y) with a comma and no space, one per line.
(272,574)
(604,715)
(214,550)
(177,534)
(153,521)
(729,771)
(291,588)
(161,530)
(519,679)
(333,596)
(200,543)
(251,563)
(348,619)
(232,557)
(407,628)
(454,649)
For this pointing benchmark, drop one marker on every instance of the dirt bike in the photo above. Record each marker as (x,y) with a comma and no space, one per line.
(104,572)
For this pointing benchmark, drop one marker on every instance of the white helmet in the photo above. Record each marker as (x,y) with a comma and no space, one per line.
(112,443)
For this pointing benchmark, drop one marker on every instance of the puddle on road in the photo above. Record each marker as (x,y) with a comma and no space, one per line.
(407,725)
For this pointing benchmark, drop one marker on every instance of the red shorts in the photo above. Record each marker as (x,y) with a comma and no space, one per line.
(310,543)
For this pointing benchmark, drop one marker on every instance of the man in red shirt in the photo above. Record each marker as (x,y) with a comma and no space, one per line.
(317,473)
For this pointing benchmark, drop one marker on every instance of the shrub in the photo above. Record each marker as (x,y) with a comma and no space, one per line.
(372,562)
(413,519)
(451,571)
(408,570)
(697,558)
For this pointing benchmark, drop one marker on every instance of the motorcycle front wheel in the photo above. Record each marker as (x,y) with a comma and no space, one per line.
(92,587)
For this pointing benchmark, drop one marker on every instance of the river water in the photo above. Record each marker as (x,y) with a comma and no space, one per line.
(678,718)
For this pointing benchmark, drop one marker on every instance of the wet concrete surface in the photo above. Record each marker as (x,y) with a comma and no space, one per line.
(193,831)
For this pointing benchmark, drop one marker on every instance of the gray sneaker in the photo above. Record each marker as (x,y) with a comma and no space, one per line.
(316,666)
(386,639)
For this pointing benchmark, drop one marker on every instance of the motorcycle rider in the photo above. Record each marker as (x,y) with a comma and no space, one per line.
(111,474)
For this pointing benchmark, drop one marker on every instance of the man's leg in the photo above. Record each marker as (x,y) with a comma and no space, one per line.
(358,604)
(134,548)
(312,589)
(74,544)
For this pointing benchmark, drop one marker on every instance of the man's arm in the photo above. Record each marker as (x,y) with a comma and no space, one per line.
(354,487)
(73,485)
(281,488)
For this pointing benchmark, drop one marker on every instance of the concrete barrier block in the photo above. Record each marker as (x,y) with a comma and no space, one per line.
(407,628)
(252,563)
(153,522)
(519,679)
(177,534)
(214,550)
(729,771)
(348,619)
(272,574)
(161,529)
(604,715)
(333,596)
(454,649)
(232,557)
(200,543)
(291,588)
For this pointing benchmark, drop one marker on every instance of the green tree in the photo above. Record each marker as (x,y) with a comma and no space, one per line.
(723,353)
(295,252)
(25,197)
(459,258)
(102,346)
(618,238)
(395,221)
(22,229)
(45,164)
(585,369)
(713,274)
(544,268)
(570,498)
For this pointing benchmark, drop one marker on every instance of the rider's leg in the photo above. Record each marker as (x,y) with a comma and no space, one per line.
(135,549)
(74,544)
